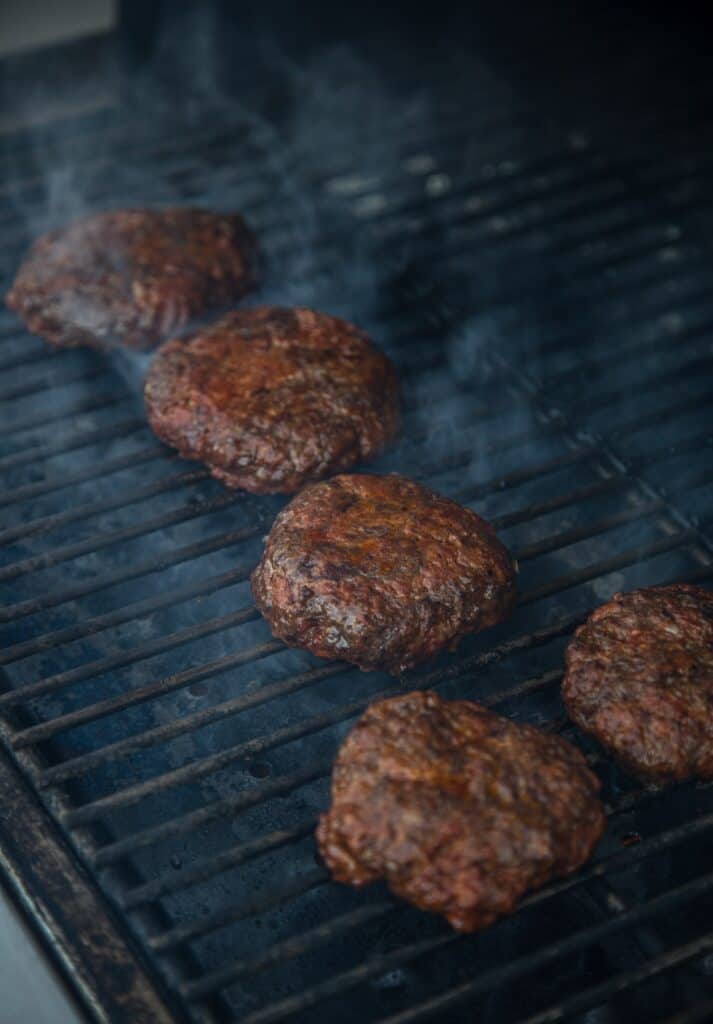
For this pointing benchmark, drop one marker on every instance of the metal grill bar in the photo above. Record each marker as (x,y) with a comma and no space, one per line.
(125,613)
(105,468)
(649,382)
(81,376)
(629,557)
(155,689)
(211,764)
(311,939)
(140,695)
(624,353)
(627,979)
(661,303)
(641,422)
(17,362)
(46,418)
(233,139)
(453,208)
(160,734)
(474,491)
(207,867)
(72,443)
(576,497)
(253,205)
(231,915)
(456,462)
(489,979)
(116,851)
(127,498)
(307,941)
(183,514)
(124,658)
(280,688)
(196,770)
(149,565)
(573,536)
(181,824)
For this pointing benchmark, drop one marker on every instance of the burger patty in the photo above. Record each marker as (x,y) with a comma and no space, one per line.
(381,572)
(640,680)
(131,277)
(270,398)
(460,810)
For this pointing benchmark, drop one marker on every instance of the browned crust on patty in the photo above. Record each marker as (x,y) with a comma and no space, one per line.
(271,398)
(381,572)
(132,277)
(640,680)
(459,809)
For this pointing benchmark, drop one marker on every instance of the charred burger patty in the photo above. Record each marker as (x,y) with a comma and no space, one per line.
(131,277)
(640,680)
(381,572)
(271,398)
(459,809)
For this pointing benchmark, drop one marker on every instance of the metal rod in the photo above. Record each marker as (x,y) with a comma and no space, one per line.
(141,694)
(115,851)
(307,941)
(83,375)
(87,812)
(625,980)
(628,557)
(121,659)
(183,514)
(75,441)
(125,613)
(278,896)
(104,468)
(207,867)
(188,723)
(123,500)
(150,565)
(97,402)
(374,966)
(567,538)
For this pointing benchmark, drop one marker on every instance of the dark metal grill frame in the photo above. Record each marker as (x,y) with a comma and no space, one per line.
(609,222)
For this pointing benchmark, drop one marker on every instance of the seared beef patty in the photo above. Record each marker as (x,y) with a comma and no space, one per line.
(381,572)
(131,277)
(640,680)
(460,810)
(270,398)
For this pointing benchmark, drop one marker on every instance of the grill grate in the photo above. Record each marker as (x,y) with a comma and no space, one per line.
(550,316)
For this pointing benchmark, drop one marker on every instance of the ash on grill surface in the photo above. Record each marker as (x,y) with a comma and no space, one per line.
(380,571)
(640,680)
(131,277)
(461,810)
(271,398)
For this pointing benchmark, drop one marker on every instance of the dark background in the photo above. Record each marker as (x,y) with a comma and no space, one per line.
(605,60)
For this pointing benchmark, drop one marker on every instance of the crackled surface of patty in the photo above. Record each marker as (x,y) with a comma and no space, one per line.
(270,398)
(132,277)
(460,810)
(381,572)
(640,680)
